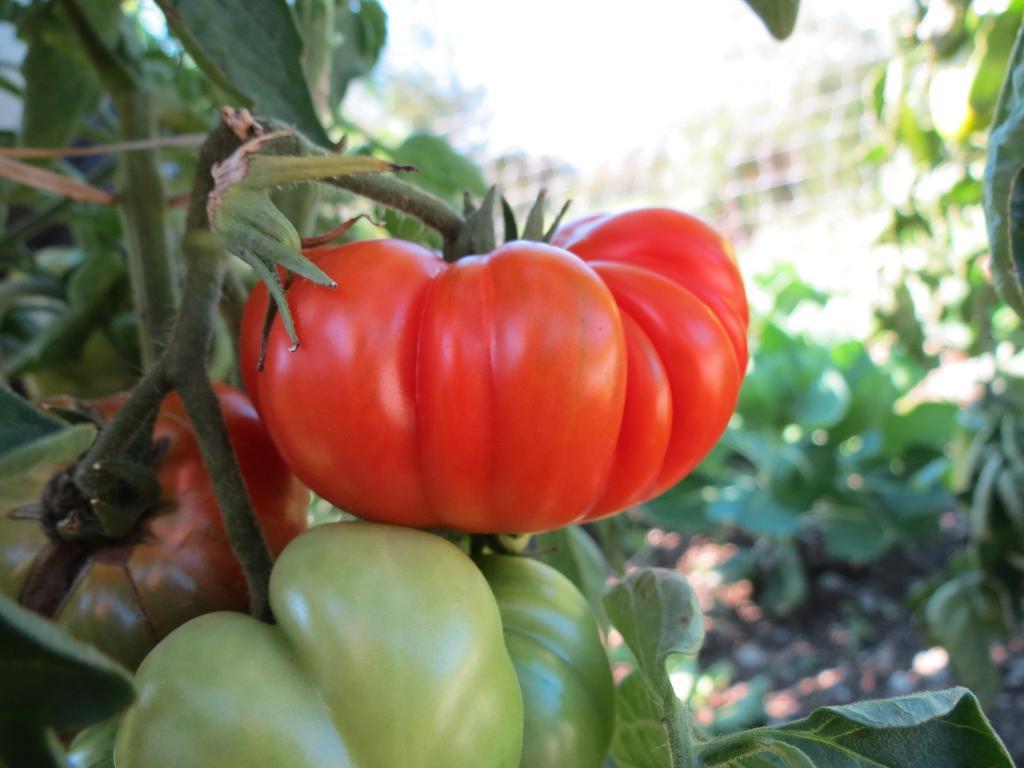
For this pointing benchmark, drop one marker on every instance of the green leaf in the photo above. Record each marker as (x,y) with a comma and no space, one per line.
(996,39)
(928,425)
(778,15)
(855,534)
(60,85)
(639,740)
(946,729)
(964,616)
(251,49)
(363,33)
(745,713)
(442,170)
(31,443)
(754,510)
(89,296)
(1004,198)
(574,553)
(658,615)
(52,679)
(21,423)
(314,20)
(783,583)
(29,745)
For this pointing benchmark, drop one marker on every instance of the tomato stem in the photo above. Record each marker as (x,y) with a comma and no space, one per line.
(183,367)
(406,198)
(141,199)
(680,729)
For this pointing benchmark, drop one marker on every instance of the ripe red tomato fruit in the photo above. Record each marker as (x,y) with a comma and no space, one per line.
(127,595)
(519,390)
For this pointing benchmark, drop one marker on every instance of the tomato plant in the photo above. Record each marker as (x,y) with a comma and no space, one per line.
(518,390)
(387,651)
(125,595)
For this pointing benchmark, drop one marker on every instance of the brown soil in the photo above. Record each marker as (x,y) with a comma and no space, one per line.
(854,638)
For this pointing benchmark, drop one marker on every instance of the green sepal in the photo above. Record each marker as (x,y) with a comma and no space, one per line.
(276,290)
(509,217)
(477,235)
(265,172)
(130,479)
(251,227)
(533,229)
(248,222)
(558,220)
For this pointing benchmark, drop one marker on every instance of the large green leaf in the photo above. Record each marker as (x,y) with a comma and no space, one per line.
(996,39)
(1004,196)
(29,439)
(946,729)
(60,84)
(928,425)
(854,533)
(783,582)
(90,293)
(658,615)
(363,31)
(778,15)
(754,510)
(964,616)
(251,49)
(440,168)
(442,171)
(29,745)
(50,680)
(639,740)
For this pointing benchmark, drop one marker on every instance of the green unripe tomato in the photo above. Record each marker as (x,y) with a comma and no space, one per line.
(563,670)
(388,652)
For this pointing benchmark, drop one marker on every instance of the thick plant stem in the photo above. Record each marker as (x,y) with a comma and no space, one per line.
(206,265)
(183,367)
(186,361)
(143,214)
(680,730)
(405,198)
(141,194)
(136,414)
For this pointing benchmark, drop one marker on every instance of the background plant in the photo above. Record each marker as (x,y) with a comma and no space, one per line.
(79,298)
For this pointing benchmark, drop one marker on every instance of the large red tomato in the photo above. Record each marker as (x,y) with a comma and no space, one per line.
(125,596)
(517,391)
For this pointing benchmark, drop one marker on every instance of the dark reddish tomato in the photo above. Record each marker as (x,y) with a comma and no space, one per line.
(178,564)
(518,391)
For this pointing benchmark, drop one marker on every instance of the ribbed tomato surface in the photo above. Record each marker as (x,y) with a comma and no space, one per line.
(519,390)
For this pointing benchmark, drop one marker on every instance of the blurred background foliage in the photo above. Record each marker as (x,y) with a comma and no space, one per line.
(880,408)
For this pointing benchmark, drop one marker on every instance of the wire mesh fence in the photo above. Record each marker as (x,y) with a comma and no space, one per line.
(778,167)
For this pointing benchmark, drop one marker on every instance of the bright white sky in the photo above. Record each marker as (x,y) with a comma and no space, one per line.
(587,81)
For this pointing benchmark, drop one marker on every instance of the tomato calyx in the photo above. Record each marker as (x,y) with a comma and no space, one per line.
(76,534)
(498,543)
(83,515)
(478,235)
